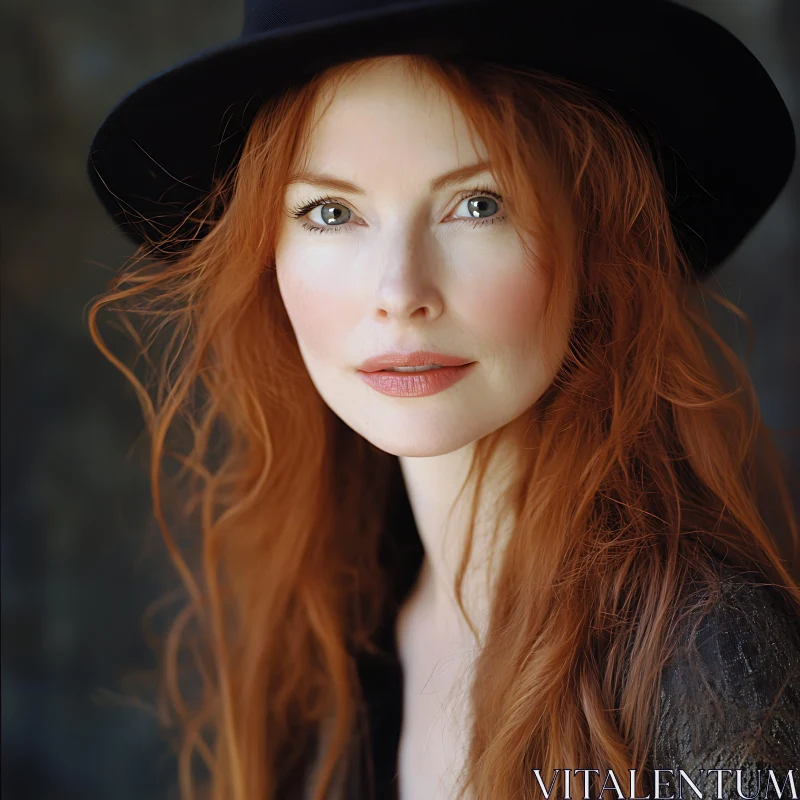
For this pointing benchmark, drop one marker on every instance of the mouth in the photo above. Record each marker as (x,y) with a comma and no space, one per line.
(418,361)
(426,368)
(421,381)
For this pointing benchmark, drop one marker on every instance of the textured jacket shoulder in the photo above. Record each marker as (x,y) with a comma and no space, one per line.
(731,698)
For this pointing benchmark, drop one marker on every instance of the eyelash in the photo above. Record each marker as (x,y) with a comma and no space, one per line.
(302,210)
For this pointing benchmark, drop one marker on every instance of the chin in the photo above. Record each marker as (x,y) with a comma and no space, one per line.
(414,447)
(416,435)
(419,427)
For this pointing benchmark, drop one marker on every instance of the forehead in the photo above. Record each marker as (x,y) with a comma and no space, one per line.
(387,118)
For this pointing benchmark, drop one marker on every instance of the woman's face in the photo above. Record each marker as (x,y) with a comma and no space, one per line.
(400,265)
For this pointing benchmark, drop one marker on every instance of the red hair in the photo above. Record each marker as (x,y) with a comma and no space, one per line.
(639,464)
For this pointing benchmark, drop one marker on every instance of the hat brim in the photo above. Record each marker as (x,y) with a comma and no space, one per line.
(710,102)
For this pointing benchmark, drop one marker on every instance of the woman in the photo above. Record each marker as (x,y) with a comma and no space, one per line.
(484,511)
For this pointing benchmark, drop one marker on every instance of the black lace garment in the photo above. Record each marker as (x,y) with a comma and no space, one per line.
(735,704)
(731,702)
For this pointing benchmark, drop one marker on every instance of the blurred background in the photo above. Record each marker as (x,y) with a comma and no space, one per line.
(78,569)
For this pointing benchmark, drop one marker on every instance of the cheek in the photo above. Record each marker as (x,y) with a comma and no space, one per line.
(507,306)
(318,311)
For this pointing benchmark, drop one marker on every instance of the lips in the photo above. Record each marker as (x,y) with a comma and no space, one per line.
(413,369)
(394,373)
(418,358)
(416,384)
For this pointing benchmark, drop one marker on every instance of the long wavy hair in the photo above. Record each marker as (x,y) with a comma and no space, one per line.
(642,463)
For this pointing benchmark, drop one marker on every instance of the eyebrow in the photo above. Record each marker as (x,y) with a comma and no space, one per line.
(322,180)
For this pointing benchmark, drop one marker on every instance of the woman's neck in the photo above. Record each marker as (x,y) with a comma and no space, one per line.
(432,484)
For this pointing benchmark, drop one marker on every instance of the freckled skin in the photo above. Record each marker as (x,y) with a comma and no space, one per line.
(409,272)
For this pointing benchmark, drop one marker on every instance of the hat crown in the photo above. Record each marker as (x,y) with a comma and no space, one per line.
(262,16)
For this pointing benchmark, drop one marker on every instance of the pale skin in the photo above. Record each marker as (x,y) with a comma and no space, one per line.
(412,272)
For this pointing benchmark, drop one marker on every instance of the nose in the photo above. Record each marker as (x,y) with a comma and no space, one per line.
(407,287)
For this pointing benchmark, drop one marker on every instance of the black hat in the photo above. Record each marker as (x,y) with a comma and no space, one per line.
(723,130)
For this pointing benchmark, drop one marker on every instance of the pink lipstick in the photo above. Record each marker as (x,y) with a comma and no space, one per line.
(418,374)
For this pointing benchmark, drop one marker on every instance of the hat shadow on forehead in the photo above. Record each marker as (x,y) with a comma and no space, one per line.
(393,85)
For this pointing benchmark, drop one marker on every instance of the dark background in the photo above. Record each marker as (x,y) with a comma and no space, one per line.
(78,566)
